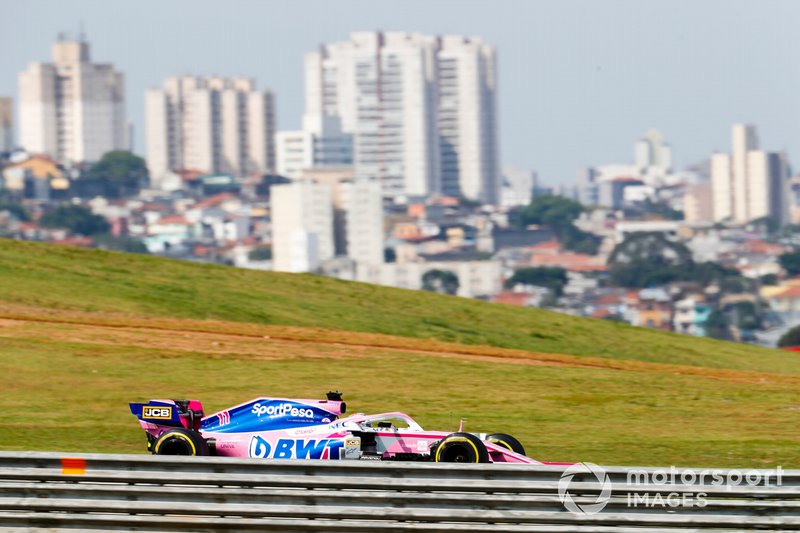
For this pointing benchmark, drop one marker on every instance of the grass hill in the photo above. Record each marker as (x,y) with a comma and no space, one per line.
(82,332)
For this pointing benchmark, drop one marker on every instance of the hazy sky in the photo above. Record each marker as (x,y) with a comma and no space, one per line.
(579,81)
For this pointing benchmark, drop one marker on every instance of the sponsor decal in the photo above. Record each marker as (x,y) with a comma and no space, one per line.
(352,442)
(224,418)
(422,446)
(158,412)
(295,448)
(280,410)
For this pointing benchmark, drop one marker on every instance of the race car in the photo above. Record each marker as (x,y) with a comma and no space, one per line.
(283,428)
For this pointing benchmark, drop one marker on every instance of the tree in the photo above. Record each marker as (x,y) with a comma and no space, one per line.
(122,244)
(768,225)
(577,240)
(645,259)
(709,272)
(553,278)
(559,214)
(76,219)
(717,326)
(790,338)
(260,253)
(746,315)
(122,172)
(441,281)
(649,259)
(769,279)
(554,211)
(18,210)
(790,262)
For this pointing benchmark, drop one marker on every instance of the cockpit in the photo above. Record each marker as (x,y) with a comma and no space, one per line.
(389,421)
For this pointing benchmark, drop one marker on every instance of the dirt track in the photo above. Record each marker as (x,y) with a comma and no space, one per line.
(220,339)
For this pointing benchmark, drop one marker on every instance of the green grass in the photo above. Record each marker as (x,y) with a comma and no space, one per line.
(67,278)
(66,386)
(560,414)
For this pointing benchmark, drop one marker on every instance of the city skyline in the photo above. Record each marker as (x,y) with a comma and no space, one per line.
(592,88)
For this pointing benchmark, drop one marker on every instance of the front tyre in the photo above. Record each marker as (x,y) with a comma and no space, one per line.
(460,448)
(180,441)
(506,441)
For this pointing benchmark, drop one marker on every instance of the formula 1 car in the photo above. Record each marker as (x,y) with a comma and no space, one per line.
(281,428)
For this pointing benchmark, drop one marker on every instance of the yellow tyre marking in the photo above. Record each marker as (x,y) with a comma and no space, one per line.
(458,439)
(502,443)
(181,436)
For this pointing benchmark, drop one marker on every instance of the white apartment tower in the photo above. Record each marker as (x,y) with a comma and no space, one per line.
(749,183)
(72,109)
(421,110)
(467,119)
(211,125)
(6,124)
(362,202)
(302,226)
(320,144)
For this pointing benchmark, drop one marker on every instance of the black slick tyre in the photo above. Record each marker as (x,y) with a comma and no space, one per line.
(180,441)
(506,441)
(460,448)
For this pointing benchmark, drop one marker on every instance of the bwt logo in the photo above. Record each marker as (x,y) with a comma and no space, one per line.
(592,471)
(295,448)
(284,409)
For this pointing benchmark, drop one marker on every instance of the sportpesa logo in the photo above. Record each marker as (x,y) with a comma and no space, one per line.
(283,409)
(585,472)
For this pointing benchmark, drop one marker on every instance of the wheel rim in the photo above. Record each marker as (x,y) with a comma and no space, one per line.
(457,453)
(174,446)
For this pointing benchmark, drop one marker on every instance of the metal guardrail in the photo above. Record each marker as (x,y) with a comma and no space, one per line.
(58,492)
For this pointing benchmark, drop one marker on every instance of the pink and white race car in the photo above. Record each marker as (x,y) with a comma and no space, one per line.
(282,428)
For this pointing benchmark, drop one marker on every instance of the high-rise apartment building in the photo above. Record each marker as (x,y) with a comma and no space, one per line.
(6,124)
(302,226)
(745,140)
(421,110)
(362,202)
(769,193)
(72,109)
(209,124)
(357,213)
(652,151)
(325,213)
(468,119)
(320,144)
(698,204)
(721,187)
(749,183)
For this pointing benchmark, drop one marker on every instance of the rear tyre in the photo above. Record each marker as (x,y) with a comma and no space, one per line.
(506,441)
(180,441)
(460,448)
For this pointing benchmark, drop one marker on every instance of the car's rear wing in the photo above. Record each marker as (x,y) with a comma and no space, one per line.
(176,413)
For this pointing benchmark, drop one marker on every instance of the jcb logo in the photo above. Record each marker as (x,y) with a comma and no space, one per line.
(149,411)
